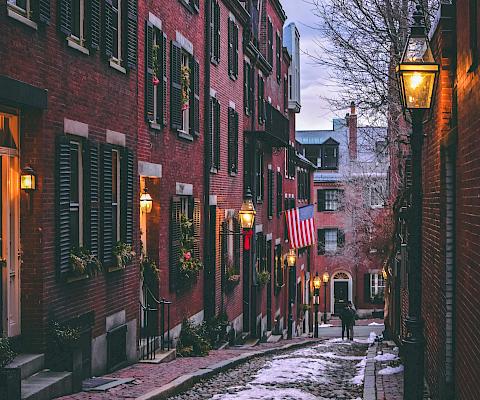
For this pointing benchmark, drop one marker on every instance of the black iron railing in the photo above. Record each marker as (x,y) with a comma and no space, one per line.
(152,336)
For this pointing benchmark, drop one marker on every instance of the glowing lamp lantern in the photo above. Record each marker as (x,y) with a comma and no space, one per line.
(27,179)
(317,282)
(291,258)
(247,212)
(325,277)
(417,71)
(146,202)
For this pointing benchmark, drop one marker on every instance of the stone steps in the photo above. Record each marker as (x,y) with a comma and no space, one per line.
(29,364)
(46,385)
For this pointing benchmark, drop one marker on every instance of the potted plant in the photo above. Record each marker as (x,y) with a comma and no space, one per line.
(65,353)
(232,277)
(189,265)
(124,254)
(10,378)
(84,263)
(263,277)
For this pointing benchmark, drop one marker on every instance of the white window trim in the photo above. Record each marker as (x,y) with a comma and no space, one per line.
(374,285)
(80,41)
(20,15)
(80,192)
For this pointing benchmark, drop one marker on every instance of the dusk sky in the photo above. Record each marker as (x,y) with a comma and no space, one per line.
(315,113)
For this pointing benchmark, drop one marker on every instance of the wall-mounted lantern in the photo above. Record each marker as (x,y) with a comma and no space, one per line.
(146,202)
(27,179)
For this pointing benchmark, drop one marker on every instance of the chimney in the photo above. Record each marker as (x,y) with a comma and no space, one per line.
(352,132)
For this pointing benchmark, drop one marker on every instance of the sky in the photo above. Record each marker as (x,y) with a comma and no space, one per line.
(315,112)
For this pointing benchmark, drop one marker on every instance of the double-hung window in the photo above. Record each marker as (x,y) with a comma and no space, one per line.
(260,176)
(261,100)
(329,156)
(76,195)
(78,21)
(23,7)
(330,240)
(232,49)
(117,30)
(232,141)
(248,87)
(215,32)
(329,199)
(185,111)
(377,287)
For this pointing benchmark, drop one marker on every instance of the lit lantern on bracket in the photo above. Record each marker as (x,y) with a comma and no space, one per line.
(291,258)
(246,215)
(27,179)
(417,71)
(146,202)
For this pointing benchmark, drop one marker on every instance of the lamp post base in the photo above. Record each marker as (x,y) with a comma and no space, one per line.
(290,326)
(315,333)
(413,344)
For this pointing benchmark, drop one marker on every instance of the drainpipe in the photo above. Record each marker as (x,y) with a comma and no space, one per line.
(209,271)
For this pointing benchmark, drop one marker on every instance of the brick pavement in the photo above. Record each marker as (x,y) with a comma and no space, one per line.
(388,386)
(151,376)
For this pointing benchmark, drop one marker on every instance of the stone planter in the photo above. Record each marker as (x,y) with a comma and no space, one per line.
(10,379)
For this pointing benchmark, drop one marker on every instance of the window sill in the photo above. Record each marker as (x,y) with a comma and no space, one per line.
(115,65)
(74,45)
(233,77)
(213,170)
(115,268)
(185,135)
(12,13)
(233,174)
(155,126)
(214,61)
(72,279)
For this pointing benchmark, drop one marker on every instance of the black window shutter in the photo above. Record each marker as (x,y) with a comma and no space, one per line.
(320,200)
(107,211)
(195,97)
(285,94)
(211,130)
(279,193)
(270,42)
(197,227)
(217,134)
(92,199)
(279,58)
(246,101)
(44,11)
(237,245)
(251,80)
(340,238)
(212,30)
(247,167)
(63,204)
(270,192)
(235,50)
(149,87)
(217,31)
(127,184)
(321,241)
(65,17)
(94,24)
(131,33)
(196,5)
(162,107)
(230,46)
(366,284)
(231,161)
(223,250)
(175,236)
(107,29)
(175,86)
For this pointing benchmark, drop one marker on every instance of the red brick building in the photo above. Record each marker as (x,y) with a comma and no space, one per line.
(68,89)
(450,215)
(350,184)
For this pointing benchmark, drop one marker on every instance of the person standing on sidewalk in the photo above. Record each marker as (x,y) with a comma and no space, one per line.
(344,317)
(351,316)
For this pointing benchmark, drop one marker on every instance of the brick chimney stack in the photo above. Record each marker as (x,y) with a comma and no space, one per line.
(352,132)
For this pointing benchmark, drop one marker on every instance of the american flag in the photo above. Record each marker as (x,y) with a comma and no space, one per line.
(301,229)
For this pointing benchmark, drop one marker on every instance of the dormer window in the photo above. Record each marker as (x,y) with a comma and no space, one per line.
(328,157)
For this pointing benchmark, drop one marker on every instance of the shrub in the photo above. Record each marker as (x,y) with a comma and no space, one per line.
(6,352)
(216,328)
(193,340)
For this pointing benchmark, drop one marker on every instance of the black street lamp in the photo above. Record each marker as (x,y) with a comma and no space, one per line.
(417,75)
(317,283)
(325,278)
(291,261)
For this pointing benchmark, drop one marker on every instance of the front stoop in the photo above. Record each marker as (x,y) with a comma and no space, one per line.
(162,357)
(274,338)
(46,385)
(39,383)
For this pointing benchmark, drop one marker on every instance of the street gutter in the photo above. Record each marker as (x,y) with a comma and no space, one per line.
(184,382)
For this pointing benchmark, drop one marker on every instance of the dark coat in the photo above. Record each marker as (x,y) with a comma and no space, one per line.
(348,316)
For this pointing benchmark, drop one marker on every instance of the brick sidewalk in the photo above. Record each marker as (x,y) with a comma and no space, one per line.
(151,376)
(388,386)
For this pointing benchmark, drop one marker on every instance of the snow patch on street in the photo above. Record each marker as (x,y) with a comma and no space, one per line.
(358,379)
(391,370)
(386,357)
(370,339)
(375,324)
(338,341)
(325,326)
(330,354)
(266,393)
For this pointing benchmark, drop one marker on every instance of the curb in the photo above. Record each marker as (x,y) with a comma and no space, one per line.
(369,390)
(186,381)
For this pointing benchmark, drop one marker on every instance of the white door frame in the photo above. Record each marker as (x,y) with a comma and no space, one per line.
(332,287)
(10,275)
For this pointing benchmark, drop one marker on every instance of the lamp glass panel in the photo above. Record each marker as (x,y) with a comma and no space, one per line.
(418,88)
(27,182)
(418,50)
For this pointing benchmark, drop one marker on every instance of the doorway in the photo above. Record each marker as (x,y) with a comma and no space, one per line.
(10,225)
(341,293)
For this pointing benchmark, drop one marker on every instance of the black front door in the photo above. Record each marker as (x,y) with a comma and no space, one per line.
(340,293)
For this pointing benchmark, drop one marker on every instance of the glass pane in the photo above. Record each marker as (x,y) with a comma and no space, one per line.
(418,88)
(74,174)
(7,129)
(19,3)
(75,4)
(74,228)
(331,240)
(115,28)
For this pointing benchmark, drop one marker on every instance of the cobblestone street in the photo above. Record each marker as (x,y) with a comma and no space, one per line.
(333,369)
